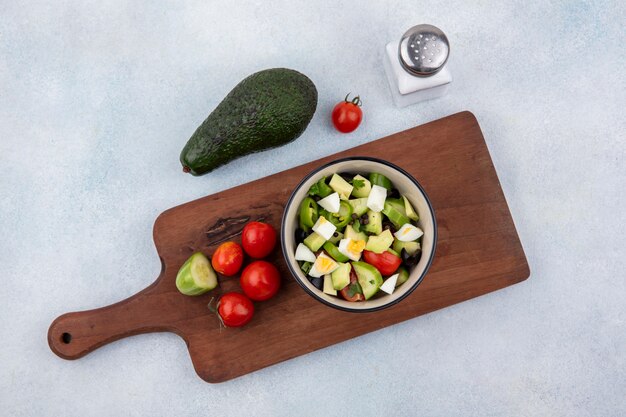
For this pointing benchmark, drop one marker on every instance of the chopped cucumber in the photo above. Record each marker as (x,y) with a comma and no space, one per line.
(359,206)
(369,278)
(196,276)
(380,179)
(403,276)
(314,241)
(374,223)
(411,248)
(395,214)
(336,239)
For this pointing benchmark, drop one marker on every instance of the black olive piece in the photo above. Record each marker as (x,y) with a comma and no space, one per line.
(335,234)
(317,282)
(365,221)
(346,177)
(354,216)
(364,216)
(300,235)
(394,193)
(407,259)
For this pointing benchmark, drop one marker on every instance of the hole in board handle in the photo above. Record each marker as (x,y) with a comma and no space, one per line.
(66,338)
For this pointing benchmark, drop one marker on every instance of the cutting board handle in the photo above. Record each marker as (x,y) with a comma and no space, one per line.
(74,335)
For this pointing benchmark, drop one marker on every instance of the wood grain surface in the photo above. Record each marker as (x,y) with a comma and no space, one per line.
(478,251)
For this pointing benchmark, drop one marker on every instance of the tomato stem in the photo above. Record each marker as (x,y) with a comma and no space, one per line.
(356,101)
(210,306)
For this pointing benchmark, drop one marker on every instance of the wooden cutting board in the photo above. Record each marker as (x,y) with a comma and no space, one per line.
(478,251)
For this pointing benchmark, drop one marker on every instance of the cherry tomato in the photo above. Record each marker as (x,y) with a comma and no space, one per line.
(235,309)
(258,239)
(227,259)
(347,115)
(352,291)
(387,263)
(260,280)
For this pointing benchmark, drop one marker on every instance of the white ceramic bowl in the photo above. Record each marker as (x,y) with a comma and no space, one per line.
(407,185)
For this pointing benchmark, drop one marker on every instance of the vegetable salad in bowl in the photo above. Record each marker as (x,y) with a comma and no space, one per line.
(357,237)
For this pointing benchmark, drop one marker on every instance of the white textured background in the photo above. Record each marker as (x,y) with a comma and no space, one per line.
(97,99)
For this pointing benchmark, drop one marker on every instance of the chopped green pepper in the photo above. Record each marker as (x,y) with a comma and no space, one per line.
(308,213)
(333,251)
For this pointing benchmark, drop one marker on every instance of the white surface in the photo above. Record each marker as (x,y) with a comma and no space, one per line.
(97,99)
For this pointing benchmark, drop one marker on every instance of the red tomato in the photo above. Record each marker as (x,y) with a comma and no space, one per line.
(387,263)
(227,259)
(258,239)
(347,115)
(352,291)
(235,309)
(260,280)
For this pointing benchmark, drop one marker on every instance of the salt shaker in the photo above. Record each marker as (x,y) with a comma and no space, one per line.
(416,65)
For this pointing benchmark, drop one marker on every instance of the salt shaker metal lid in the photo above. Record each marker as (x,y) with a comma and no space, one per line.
(423,50)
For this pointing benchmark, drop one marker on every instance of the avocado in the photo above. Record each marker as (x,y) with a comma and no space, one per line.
(341,276)
(410,212)
(363,191)
(354,235)
(341,186)
(374,223)
(328,285)
(411,248)
(380,243)
(267,109)
(314,241)
(369,278)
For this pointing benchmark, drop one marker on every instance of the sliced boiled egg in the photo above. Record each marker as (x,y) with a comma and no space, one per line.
(304,254)
(408,233)
(352,248)
(323,265)
(390,284)
(324,228)
(376,199)
(330,203)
